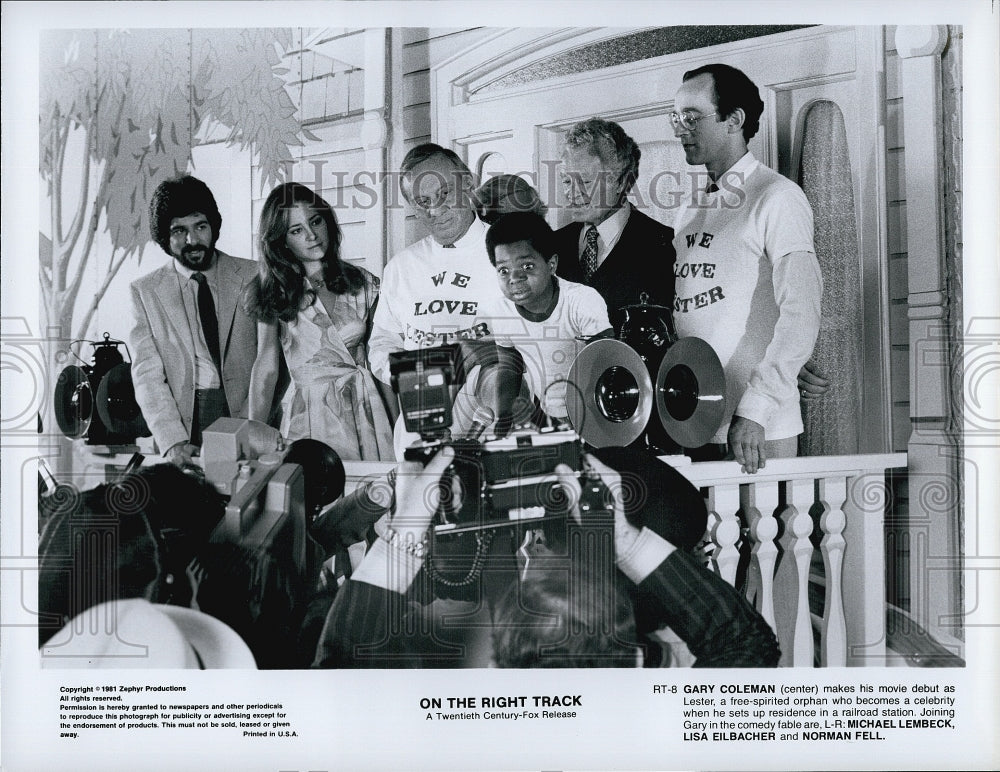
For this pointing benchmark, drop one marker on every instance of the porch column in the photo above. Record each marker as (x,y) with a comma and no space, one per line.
(375,141)
(934,447)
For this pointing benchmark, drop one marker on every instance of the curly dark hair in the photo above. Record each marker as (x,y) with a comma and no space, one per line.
(180,197)
(733,90)
(278,291)
(521,226)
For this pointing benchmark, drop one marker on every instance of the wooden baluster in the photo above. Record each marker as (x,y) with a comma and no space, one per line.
(724,529)
(864,568)
(792,580)
(831,493)
(759,501)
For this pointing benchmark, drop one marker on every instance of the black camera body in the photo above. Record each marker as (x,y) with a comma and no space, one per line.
(510,481)
(495,483)
(423,381)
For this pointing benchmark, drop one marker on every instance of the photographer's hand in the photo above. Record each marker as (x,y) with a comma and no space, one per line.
(418,493)
(395,559)
(181,454)
(625,532)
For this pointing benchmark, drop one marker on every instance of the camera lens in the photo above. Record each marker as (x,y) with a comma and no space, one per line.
(617,394)
(680,392)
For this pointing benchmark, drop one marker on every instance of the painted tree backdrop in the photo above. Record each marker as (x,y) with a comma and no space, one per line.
(137,102)
(122,110)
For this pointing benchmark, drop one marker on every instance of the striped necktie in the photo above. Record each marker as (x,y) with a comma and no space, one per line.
(589,259)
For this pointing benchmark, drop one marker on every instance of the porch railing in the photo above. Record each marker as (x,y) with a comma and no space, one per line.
(804,538)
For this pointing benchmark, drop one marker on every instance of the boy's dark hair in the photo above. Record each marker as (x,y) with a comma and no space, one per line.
(180,197)
(733,89)
(521,226)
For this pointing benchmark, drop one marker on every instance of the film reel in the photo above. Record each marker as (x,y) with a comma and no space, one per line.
(609,396)
(691,392)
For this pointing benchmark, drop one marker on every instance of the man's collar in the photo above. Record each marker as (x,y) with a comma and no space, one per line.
(736,175)
(473,237)
(610,229)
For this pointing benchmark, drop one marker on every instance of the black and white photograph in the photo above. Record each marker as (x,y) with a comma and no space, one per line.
(401,395)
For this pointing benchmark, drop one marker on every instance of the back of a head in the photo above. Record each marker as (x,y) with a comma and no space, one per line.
(569,616)
(180,197)
(506,193)
(733,90)
(113,538)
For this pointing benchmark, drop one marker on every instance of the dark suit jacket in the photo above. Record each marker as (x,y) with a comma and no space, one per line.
(642,261)
(720,628)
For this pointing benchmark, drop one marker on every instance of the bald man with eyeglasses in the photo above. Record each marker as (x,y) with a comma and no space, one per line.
(747,280)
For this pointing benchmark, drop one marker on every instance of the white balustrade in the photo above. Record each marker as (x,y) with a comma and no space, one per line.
(785,510)
(792,579)
(776,520)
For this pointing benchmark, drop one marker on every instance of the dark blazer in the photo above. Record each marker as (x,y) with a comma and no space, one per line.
(717,623)
(642,261)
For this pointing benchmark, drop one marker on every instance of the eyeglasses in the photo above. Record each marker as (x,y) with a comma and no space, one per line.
(452,190)
(687,119)
(435,200)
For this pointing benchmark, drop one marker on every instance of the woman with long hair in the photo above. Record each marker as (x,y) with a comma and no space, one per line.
(316,309)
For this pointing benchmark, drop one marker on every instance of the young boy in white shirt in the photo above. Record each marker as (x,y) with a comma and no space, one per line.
(544,317)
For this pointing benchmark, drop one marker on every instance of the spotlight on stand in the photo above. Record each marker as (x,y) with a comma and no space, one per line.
(97,401)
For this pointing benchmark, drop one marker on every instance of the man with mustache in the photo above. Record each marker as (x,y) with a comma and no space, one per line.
(192,345)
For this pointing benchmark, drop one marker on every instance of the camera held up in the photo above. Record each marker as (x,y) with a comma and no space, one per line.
(495,485)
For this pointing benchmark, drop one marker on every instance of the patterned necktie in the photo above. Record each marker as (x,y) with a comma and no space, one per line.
(589,259)
(209,322)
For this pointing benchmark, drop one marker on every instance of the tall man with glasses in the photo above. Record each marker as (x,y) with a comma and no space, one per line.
(747,278)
